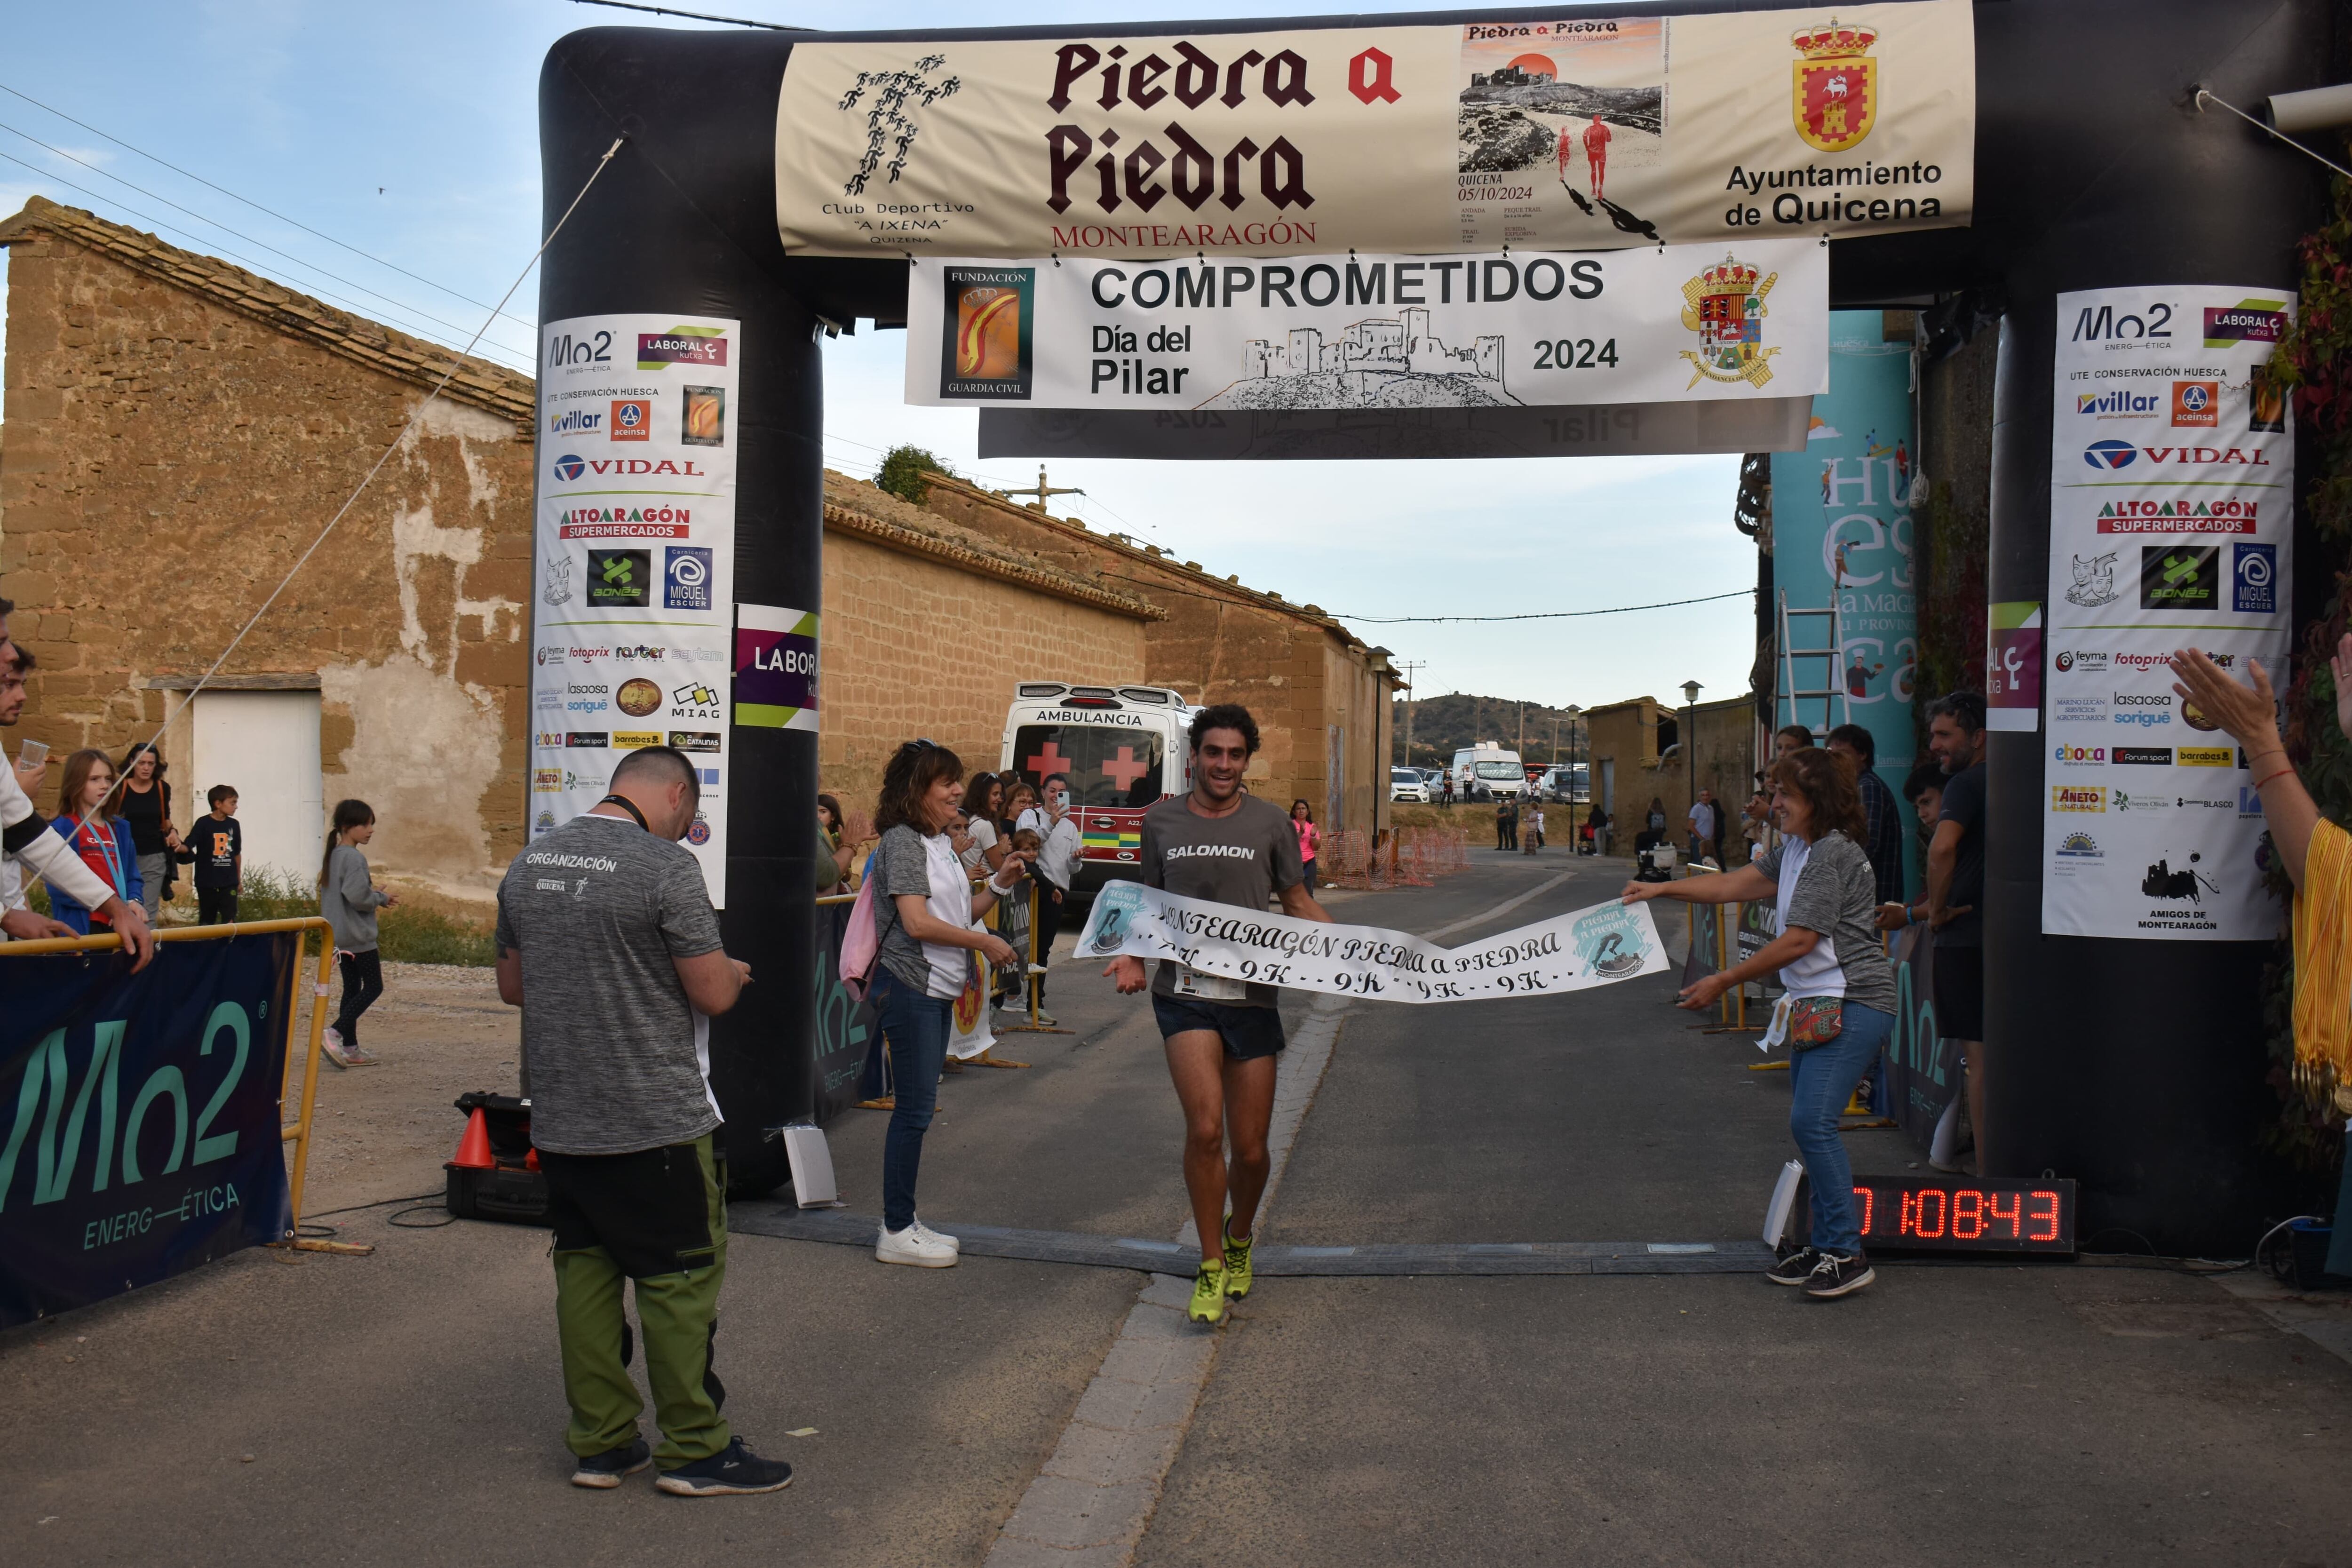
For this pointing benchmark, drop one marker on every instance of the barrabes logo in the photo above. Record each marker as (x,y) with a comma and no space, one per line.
(570,466)
(2110,454)
(686,577)
(2247,322)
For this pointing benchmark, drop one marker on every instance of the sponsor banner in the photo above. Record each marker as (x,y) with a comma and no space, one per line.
(775,667)
(138,1131)
(1922,1066)
(1595,946)
(634,561)
(2172,479)
(2013,665)
(1580,133)
(1373,332)
(1843,532)
(850,1060)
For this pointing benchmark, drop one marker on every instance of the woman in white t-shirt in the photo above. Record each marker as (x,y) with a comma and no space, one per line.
(1840,1000)
(925,915)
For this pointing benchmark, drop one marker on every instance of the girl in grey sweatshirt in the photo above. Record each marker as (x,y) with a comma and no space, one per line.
(350,901)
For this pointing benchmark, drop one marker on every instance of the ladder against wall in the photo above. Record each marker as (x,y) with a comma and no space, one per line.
(1806,702)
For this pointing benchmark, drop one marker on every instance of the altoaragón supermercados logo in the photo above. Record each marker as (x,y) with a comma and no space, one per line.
(1725,306)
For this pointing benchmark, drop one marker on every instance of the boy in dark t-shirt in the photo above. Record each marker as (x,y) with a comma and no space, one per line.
(1219,844)
(219,846)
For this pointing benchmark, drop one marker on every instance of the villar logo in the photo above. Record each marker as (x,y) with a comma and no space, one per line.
(887,120)
(1725,306)
(1835,99)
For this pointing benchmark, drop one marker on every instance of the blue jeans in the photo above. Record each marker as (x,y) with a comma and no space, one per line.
(1823,1080)
(917,1026)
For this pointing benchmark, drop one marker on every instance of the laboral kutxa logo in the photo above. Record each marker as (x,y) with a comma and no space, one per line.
(2247,322)
(1725,306)
(1835,96)
(682,345)
(988,352)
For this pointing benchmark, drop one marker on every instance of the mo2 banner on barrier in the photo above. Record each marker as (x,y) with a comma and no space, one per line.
(138,1132)
(1584,133)
(1595,946)
(1364,332)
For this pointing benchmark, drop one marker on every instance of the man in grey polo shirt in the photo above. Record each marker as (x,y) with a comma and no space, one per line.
(608,944)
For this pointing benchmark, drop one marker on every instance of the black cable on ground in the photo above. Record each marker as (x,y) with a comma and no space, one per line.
(404,1223)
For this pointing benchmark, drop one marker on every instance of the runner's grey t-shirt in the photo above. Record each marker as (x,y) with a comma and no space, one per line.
(1243,859)
(616,1059)
(1828,887)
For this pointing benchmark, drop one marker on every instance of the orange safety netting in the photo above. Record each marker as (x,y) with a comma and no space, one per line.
(1413,857)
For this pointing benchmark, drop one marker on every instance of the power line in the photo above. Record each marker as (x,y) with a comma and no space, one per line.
(215,223)
(1545,614)
(696,15)
(257,206)
(223,250)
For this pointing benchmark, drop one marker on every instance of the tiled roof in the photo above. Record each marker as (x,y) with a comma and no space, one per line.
(355,338)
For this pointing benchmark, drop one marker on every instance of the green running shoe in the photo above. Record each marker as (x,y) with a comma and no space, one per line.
(1208,1305)
(1238,1277)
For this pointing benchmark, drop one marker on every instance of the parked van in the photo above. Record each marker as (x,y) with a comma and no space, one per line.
(1122,749)
(1486,771)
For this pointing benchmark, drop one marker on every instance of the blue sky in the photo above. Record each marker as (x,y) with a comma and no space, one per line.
(409,133)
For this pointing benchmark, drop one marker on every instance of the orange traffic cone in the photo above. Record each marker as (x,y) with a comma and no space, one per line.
(474,1148)
(530,1161)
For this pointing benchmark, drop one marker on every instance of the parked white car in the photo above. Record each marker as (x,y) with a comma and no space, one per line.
(1407,785)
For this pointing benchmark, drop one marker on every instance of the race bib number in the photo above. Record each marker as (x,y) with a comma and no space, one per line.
(1196,986)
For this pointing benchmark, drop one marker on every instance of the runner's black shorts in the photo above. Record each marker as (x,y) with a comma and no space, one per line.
(1248,1033)
(1959,992)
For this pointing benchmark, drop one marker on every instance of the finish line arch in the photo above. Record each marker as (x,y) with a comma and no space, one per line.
(2135,1067)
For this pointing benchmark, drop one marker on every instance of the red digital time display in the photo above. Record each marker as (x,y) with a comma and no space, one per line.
(1990,1215)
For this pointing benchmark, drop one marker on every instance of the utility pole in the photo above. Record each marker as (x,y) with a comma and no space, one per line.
(1043,489)
(1409,666)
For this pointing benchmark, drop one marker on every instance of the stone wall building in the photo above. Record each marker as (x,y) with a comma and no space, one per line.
(1638,753)
(178,430)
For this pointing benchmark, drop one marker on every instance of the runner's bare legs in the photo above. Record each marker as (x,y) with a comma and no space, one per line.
(1222,1099)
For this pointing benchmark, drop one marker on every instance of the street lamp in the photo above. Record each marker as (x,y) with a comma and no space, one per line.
(1690,739)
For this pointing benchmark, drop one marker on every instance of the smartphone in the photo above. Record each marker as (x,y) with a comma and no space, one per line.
(33,753)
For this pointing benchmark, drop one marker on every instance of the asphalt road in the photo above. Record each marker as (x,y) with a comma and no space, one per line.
(405,1407)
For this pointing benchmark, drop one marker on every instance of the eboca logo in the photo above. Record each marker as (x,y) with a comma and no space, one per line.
(569,467)
(2110,454)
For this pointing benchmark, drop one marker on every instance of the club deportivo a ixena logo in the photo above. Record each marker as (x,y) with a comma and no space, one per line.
(887,100)
(1725,306)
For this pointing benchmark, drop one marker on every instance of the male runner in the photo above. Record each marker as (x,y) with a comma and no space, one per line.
(1224,846)
(1596,151)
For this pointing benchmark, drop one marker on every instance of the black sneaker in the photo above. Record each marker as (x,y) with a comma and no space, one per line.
(1835,1276)
(604,1471)
(1796,1267)
(734,1468)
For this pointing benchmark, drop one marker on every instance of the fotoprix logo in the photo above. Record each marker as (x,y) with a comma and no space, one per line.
(2121,404)
(683,345)
(2247,322)
(2110,454)
(589,655)
(2196,403)
(570,466)
(574,422)
(2254,579)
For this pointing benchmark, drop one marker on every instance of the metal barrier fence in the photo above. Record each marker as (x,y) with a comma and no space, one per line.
(1407,857)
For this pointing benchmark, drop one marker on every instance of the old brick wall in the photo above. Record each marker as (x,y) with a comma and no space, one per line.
(169,459)
(1296,670)
(913,647)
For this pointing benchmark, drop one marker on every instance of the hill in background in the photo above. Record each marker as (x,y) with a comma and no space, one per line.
(1443,725)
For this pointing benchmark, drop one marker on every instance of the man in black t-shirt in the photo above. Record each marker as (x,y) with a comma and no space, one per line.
(1956,865)
(1221,844)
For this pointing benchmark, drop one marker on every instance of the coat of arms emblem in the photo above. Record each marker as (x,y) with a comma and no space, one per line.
(1836,95)
(1725,306)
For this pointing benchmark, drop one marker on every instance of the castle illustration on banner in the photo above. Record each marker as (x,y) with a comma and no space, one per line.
(1395,362)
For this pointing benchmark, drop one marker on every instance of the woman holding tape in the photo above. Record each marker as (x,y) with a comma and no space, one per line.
(1838,1006)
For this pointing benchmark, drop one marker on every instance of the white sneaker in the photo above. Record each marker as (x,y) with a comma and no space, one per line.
(912,1248)
(331,1042)
(928,1234)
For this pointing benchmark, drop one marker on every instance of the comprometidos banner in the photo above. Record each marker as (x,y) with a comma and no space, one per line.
(139,1131)
(1585,132)
(1595,946)
(1502,330)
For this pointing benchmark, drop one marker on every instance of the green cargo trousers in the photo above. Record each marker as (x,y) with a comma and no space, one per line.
(657,1216)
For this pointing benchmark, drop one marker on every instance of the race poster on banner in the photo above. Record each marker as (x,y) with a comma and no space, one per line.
(1579,133)
(2171,524)
(139,1134)
(634,563)
(1661,325)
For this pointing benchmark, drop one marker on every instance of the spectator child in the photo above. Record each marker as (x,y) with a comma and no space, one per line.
(350,901)
(216,844)
(87,820)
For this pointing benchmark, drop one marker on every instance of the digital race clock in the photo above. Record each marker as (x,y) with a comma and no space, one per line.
(1992,1213)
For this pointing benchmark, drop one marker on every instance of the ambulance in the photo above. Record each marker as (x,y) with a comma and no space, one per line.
(1122,749)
